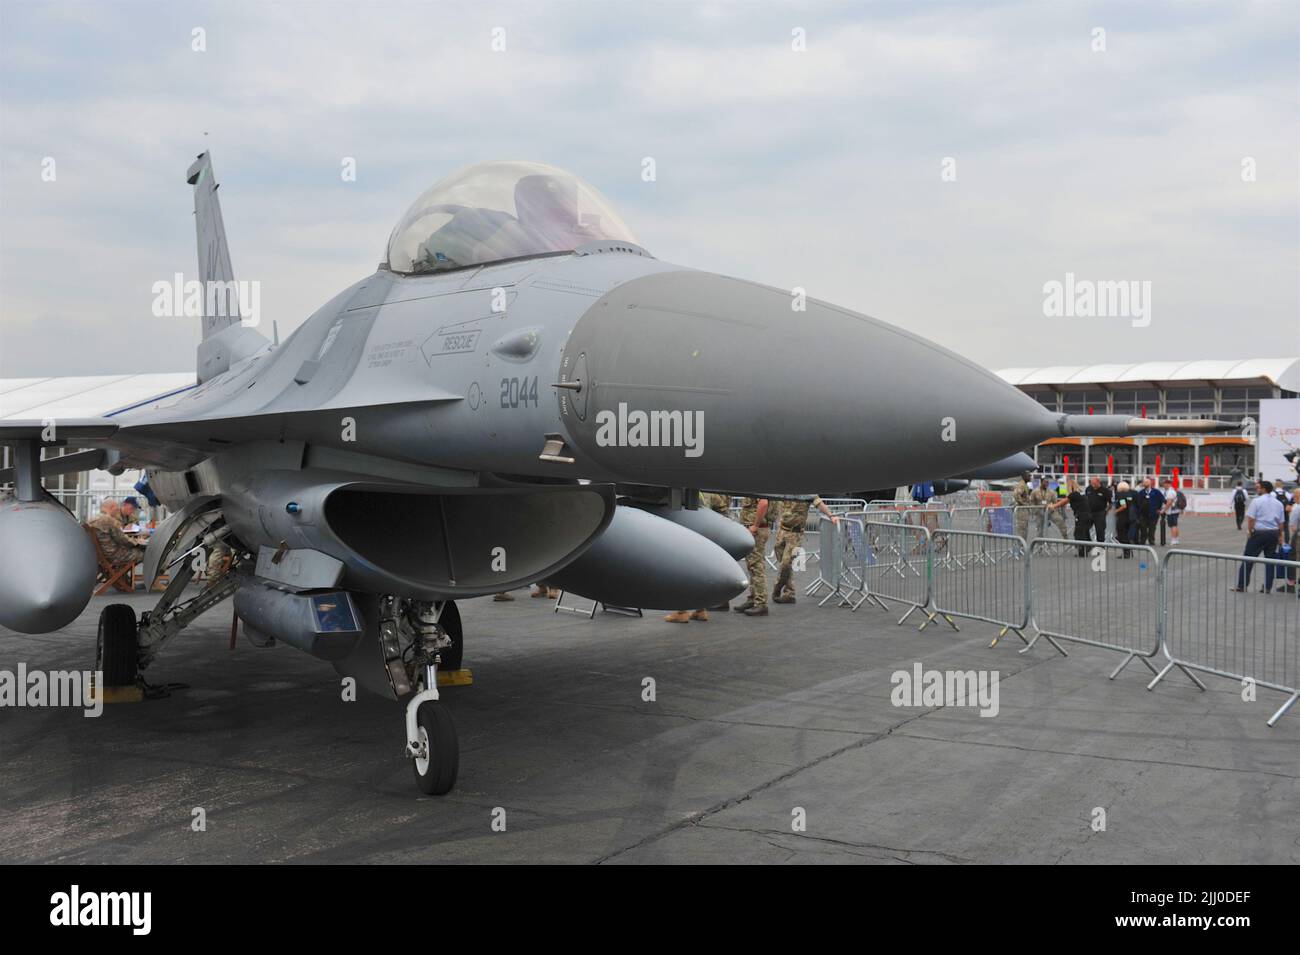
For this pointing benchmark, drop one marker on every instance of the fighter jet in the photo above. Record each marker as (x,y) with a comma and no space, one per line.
(519,392)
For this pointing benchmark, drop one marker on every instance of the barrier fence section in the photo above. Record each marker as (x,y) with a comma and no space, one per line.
(844,505)
(840,571)
(1249,635)
(931,517)
(852,558)
(1109,597)
(980,576)
(967,519)
(828,565)
(895,566)
(837,506)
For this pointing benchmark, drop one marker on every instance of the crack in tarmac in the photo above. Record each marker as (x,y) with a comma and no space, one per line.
(1118,759)
(696,819)
(841,843)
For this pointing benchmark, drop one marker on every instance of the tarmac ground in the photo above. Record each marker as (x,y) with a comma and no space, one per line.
(757,725)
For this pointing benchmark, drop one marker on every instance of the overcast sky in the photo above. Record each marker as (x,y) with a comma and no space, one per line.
(819,168)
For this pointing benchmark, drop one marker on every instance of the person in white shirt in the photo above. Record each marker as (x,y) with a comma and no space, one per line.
(1265,519)
(1171,511)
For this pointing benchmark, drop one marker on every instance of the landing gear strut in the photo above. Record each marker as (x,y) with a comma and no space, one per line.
(431,739)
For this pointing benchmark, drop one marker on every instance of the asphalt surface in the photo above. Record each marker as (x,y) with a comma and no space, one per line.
(755,724)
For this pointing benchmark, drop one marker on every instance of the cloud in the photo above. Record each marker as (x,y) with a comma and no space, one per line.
(817,168)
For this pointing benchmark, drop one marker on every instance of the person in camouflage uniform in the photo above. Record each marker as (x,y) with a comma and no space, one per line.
(1052,503)
(217,560)
(793,520)
(113,541)
(1023,497)
(719,504)
(753,514)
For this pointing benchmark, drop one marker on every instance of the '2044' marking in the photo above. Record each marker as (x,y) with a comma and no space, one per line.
(519,392)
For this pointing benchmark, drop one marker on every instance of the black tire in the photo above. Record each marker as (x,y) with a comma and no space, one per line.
(116,654)
(440,769)
(454,655)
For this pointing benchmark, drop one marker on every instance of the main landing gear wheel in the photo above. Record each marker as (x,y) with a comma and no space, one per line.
(438,756)
(116,653)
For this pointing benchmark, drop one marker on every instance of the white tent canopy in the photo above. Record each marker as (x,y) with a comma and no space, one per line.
(1282,372)
(85,396)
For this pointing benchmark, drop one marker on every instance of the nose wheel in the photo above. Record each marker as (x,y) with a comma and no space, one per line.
(436,753)
(431,739)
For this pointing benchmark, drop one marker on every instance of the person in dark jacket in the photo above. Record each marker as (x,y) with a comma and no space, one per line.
(1082,514)
(1098,499)
(1154,504)
(1239,499)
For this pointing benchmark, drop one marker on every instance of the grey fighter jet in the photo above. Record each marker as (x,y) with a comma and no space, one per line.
(520,392)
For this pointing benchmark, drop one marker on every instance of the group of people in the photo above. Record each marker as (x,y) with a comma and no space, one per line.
(761,516)
(1139,509)
(1272,525)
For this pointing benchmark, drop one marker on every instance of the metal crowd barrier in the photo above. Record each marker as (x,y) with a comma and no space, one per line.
(840,567)
(1115,596)
(830,565)
(932,518)
(1112,592)
(968,519)
(1243,636)
(979,576)
(895,566)
(825,570)
(842,505)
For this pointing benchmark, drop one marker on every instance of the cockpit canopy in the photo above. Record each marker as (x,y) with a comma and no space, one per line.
(494,211)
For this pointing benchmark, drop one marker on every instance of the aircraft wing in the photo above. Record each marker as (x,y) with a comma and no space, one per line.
(51,430)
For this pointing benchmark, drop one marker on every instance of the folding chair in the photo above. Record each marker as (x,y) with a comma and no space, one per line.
(120,575)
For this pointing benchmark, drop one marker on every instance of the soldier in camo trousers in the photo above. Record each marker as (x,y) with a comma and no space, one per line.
(753,514)
(1023,497)
(1052,503)
(794,518)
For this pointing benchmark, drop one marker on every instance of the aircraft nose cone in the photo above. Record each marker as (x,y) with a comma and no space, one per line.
(773,398)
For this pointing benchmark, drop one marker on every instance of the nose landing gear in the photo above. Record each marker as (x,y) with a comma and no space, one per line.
(431,740)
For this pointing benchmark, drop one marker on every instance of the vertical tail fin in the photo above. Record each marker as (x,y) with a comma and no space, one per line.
(214,253)
(226,339)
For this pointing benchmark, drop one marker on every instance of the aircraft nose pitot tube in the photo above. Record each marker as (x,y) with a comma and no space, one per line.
(51,571)
(697,380)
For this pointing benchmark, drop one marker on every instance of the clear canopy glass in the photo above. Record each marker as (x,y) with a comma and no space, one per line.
(500,210)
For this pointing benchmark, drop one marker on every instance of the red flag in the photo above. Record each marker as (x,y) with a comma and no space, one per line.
(1177,478)
(1205,468)
(1110,464)
(1067,464)
(1157,461)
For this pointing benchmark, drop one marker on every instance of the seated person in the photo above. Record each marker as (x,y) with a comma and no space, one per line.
(128,513)
(113,541)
